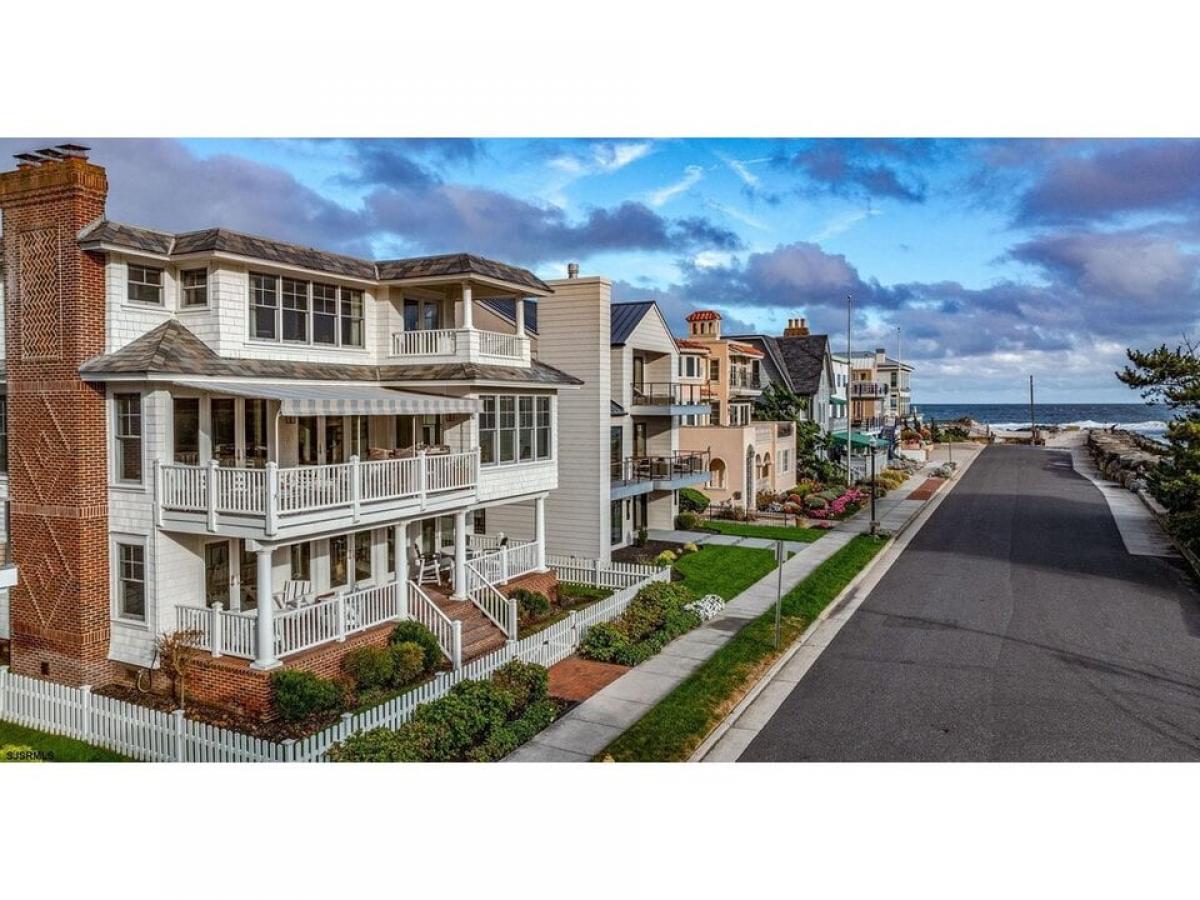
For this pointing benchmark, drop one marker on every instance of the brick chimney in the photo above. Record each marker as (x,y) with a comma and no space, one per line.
(57,443)
(796,328)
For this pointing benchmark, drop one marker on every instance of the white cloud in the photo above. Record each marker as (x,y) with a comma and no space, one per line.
(691,175)
(739,167)
(842,223)
(743,217)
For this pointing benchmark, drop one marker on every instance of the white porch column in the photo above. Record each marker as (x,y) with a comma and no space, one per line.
(520,314)
(264,632)
(400,531)
(539,531)
(467,321)
(460,554)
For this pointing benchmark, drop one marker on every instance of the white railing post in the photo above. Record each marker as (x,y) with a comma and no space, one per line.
(539,515)
(180,754)
(456,644)
(421,477)
(212,495)
(503,564)
(345,724)
(216,637)
(478,464)
(3,689)
(401,599)
(289,749)
(271,489)
(355,487)
(85,712)
(341,618)
(264,623)
(158,493)
(513,616)
(596,574)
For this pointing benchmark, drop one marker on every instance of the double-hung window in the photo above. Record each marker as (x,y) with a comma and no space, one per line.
(508,429)
(128,423)
(543,427)
(525,421)
(352,318)
(195,287)
(362,556)
(325,314)
(264,307)
(145,284)
(295,310)
(131,582)
(487,431)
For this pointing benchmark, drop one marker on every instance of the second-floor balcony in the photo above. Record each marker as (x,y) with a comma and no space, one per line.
(276,502)
(746,382)
(868,390)
(460,345)
(664,472)
(669,398)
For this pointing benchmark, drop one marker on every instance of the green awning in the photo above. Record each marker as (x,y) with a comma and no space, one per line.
(837,401)
(858,440)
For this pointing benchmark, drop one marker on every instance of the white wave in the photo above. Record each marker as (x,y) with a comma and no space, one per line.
(1152,426)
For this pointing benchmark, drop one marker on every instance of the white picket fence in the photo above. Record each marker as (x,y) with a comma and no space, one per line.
(597,574)
(153,736)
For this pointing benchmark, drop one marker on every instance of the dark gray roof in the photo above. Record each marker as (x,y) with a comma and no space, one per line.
(226,241)
(458,264)
(625,318)
(506,308)
(615,408)
(797,361)
(170,349)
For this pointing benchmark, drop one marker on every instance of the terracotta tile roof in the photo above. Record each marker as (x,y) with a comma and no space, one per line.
(744,349)
(226,241)
(170,349)
(704,315)
(691,346)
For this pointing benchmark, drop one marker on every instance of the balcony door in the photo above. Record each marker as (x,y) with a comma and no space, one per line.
(639,373)
(239,431)
(639,439)
(217,582)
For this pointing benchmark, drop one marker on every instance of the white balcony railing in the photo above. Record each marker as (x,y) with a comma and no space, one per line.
(227,633)
(461,344)
(280,495)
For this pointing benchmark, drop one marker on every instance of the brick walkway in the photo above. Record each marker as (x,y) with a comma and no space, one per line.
(576,678)
(927,489)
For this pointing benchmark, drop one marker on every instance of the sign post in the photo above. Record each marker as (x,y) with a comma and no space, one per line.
(780,556)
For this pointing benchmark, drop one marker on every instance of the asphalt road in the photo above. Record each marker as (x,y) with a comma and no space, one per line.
(1015,626)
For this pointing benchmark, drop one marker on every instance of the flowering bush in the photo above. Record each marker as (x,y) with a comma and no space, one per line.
(844,505)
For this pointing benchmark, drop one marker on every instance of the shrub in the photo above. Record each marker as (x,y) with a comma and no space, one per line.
(408,662)
(476,720)
(665,558)
(370,667)
(689,521)
(692,500)
(414,631)
(298,695)
(735,513)
(690,547)
(533,605)
(908,434)
(657,615)
(815,501)
(763,500)
(571,592)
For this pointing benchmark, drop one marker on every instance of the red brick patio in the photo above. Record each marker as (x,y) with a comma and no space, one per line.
(576,678)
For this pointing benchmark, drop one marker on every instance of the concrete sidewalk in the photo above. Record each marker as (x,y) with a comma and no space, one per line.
(597,722)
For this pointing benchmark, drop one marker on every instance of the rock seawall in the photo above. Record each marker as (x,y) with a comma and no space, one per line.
(1123,456)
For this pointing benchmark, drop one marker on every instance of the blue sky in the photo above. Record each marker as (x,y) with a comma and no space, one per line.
(995,258)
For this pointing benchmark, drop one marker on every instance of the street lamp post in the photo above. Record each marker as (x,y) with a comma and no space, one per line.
(874,523)
(849,387)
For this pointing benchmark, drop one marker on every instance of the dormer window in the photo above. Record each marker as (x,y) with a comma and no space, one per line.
(145,284)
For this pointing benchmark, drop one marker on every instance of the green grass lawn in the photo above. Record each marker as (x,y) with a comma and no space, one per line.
(20,744)
(726,571)
(674,728)
(771,532)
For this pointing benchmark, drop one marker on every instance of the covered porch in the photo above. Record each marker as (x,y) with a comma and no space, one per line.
(435,570)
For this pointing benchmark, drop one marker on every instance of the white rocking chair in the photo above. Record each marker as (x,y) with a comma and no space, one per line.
(424,569)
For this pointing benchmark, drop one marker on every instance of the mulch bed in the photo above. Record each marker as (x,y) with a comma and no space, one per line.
(219,716)
(927,489)
(644,554)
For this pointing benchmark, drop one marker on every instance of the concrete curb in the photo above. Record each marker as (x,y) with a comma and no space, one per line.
(838,602)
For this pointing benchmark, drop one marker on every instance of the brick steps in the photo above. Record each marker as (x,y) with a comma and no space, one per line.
(480,635)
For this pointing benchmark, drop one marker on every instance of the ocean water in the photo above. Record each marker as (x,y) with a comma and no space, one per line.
(1145,418)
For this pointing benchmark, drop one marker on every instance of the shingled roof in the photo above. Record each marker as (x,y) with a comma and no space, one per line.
(170,349)
(797,361)
(223,240)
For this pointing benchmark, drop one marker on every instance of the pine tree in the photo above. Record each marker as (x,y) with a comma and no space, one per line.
(1173,377)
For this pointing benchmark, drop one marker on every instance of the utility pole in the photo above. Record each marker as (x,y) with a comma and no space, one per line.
(1032,420)
(849,387)
(900,410)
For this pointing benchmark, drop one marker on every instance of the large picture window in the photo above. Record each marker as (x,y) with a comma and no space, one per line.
(514,428)
(128,416)
(301,312)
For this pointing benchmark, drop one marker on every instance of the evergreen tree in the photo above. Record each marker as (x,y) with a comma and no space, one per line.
(1173,377)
